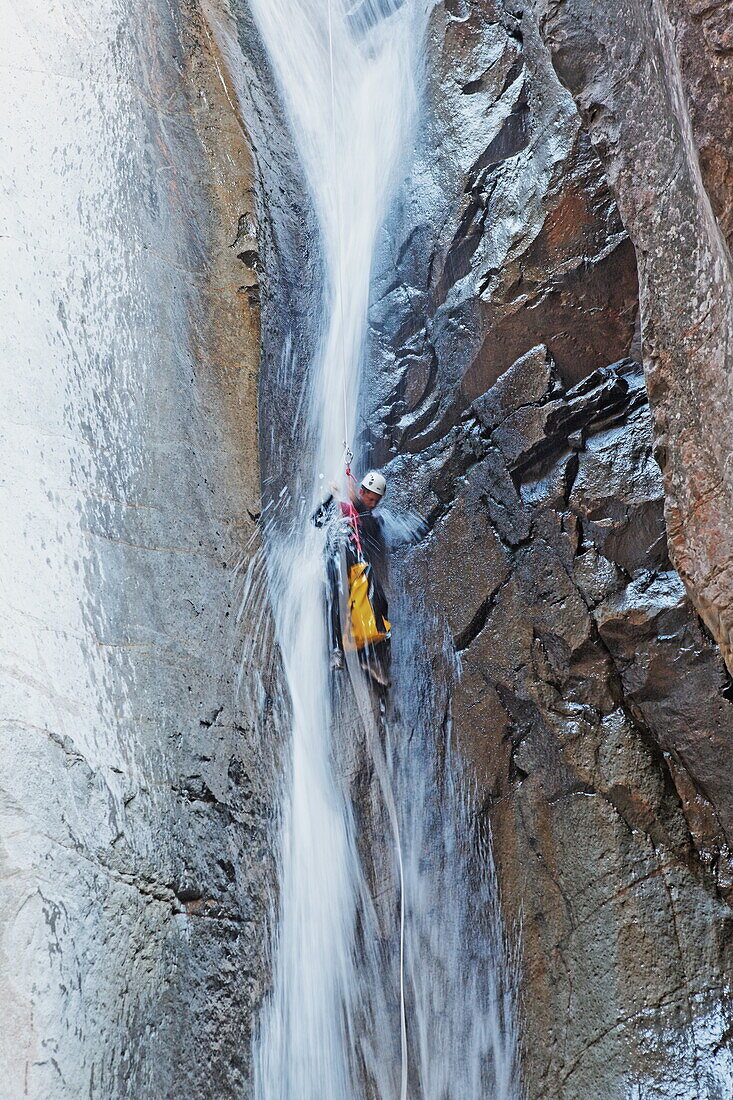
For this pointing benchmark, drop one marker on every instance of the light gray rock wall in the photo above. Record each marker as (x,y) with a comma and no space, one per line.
(133,798)
(655,83)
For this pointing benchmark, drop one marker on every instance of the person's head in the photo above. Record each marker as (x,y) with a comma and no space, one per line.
(372,489)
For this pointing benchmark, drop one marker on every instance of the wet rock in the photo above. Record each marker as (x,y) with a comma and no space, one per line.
(529,381)
(121,713)
(509,239)
(655,85)
(590,706)
(648,630)
(592,710)
(469,557)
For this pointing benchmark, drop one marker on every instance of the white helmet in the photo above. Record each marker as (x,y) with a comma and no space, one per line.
(374,483)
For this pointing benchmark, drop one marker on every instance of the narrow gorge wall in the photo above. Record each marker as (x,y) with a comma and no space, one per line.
(133,790)
(532,253)
(654,82)
(592,706)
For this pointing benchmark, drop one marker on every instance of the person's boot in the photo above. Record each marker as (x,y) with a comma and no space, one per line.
(375,667)
(379,675)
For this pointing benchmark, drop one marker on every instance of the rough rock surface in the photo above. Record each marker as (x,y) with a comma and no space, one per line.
(509,235)
(592,707)
(134,802)
(588,697)
(655,83)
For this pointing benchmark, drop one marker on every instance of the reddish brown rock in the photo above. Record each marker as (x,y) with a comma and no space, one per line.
(654,82)
(513,238)
(588,699)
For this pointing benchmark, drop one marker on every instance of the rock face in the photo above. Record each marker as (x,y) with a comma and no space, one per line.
(511,234)
(134,798)
(593,707)
(589,697)
(655,84)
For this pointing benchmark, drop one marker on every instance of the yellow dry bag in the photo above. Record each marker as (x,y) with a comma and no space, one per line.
(362,629)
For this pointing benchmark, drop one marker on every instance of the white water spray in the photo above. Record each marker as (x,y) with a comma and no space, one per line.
(339,1018)
(348,82)
(348,78)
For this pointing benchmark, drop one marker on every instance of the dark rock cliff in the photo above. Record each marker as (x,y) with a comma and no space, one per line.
(506,394)
(134,789)
(654,82)
(549,387)
(593,706)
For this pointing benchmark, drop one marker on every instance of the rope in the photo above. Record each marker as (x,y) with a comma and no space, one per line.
(353,517)
(382,769)
(339,218)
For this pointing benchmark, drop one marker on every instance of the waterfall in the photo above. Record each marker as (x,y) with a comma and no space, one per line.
(341,1021)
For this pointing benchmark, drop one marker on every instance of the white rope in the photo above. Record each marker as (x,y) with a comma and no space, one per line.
(361,694)
(377,754)
(339,224)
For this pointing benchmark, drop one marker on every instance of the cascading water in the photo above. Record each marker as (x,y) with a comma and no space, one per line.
(340,1021)
(349,89)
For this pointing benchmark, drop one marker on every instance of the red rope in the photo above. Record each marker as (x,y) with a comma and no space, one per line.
(352,516)
(351,513)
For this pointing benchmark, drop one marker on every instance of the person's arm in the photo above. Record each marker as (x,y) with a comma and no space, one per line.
(323,512)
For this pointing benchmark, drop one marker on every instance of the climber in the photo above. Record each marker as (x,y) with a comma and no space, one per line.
(355,549)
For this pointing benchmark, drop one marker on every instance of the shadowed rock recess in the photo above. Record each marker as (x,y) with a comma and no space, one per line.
(592,706)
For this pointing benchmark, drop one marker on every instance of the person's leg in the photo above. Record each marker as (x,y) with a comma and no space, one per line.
(378,601)
(333,599)
(375,661)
